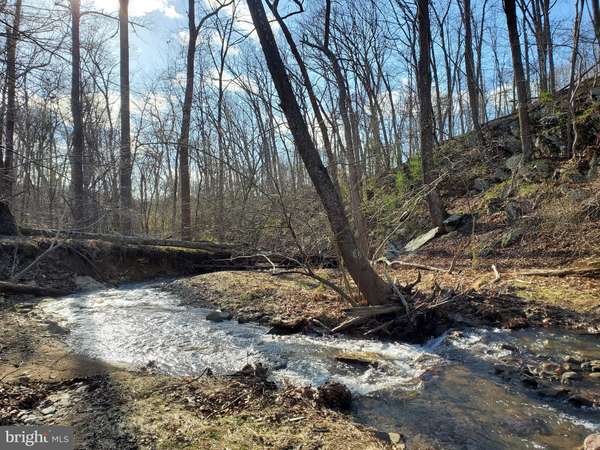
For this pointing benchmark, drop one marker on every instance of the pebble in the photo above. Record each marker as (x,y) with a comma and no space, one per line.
(49,410)
(567,377)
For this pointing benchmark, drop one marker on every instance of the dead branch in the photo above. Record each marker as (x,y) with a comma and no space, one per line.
(409,264)
(581,271)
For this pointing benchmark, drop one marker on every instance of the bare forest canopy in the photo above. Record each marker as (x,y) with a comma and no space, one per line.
(204,148)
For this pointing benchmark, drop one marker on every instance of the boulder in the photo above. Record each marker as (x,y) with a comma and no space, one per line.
(462,223)
(421,240)
(501,174)
(543,168)
(510,237)
(481,184)
(8,226)
(218,316)
(514,162)
(85,283)
(513,212)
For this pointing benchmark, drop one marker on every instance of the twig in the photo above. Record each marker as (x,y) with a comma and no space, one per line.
(496,273)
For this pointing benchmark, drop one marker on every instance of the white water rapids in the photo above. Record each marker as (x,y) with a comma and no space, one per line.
(446,389)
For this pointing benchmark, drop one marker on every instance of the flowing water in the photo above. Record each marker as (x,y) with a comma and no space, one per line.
(446,389)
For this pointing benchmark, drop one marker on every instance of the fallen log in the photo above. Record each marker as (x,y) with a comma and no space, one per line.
(16,288)
(129,240)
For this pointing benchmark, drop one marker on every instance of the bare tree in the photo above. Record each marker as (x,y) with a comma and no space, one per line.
(434,202)
(472,87)
(521,82)
(369,283)
(125,199)
(7,180)
(184,137)
(77,190)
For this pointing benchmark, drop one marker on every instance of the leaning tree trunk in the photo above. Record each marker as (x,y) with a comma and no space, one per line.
(425,113)
(520,80)
(77,206)
(369,283)
(6,163)
(125,150)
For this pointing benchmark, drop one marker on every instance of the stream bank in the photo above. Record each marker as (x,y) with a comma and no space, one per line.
(470,388)
(43,381)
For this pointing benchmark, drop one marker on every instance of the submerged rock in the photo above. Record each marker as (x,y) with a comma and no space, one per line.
(218,316)
(335,396)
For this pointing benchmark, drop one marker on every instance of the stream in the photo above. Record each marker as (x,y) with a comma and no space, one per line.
(449,389)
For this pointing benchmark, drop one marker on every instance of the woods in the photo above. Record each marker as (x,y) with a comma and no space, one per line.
(314,153)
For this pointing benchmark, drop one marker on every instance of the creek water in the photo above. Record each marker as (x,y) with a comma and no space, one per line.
(446,389)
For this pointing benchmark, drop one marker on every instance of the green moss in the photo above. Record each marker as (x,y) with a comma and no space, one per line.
(496,191)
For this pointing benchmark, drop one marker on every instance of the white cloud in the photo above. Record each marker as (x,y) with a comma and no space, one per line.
(138,8)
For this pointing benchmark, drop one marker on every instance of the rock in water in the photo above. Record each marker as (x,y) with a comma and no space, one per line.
(8,227)
(592,442)
(218,316)
(335,396)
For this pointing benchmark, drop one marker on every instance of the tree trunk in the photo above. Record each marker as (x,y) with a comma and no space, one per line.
(125,151)
(7,180)
(184,163)
(369,283)
(470,67)
(77,192)
(596,18)
(425,112)
(519,77)
(8,227)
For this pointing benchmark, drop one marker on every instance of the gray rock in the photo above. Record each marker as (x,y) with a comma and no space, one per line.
(543,168)
(501,174)
(459,222)
(421,240)
(592,442)
(569,377)
(513,212)
(514,162)
(481,185)
(515,130)
(85,283)
(510,237)
(48,411)
(218,316)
